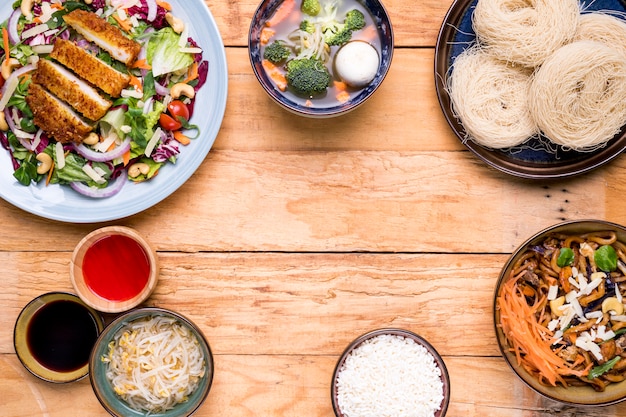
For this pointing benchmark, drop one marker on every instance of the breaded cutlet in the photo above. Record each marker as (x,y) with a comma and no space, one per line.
(105,35)
(71,89)
(89,67)
(54,117)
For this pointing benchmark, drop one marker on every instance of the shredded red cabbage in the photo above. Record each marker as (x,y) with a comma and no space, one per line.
(142,12)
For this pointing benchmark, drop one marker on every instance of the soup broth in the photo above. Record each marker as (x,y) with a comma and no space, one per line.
(335,94)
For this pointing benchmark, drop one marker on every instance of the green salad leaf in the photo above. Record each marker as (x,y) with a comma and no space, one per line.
(163,53)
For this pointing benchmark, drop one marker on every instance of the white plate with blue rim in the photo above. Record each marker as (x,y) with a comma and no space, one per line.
(63,204)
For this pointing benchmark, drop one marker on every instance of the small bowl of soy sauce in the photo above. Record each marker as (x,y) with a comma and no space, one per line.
(54,335)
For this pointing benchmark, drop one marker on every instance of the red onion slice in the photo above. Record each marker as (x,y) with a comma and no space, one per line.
(115,186)
(14,36)
(95,156)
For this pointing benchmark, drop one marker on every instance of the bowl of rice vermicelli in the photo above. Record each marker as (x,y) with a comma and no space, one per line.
(541,100)
(560,314)
(151,361)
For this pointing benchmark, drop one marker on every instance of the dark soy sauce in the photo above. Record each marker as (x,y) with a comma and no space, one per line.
(60,335)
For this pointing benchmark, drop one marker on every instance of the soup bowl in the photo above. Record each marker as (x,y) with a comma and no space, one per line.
(340,97)
(519,270)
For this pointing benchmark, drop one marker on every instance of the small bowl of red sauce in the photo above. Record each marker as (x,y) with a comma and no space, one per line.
(54,335)
(114,269)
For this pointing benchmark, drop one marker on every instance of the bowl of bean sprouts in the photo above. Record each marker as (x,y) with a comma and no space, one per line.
(560,312)
(151,361)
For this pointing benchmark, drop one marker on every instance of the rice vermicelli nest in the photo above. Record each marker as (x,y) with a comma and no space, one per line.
(578,95)
(525,31)
(604,28)
(490,97)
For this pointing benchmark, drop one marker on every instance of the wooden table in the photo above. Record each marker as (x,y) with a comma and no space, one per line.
(296,235)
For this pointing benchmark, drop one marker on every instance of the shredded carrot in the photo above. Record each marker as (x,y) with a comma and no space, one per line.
(49,176)
(281,13)
(529,340)
(180,137)
(192,73)
(275,74)
(136,83)
(124,24)
(368,33)
(342,91)
(5,42)
(56,6)
(164,4)
(308,103)
(141,64)
(126,157)
(266,35)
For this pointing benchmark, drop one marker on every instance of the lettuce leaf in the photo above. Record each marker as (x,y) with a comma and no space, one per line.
(163,53)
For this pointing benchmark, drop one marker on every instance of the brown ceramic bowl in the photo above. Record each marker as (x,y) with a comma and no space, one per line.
(54,335)
(574,395)
(358,342)
(114,269)
(534,161)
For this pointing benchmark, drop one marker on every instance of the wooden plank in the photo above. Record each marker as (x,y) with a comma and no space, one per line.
(414,23)
(402,115)
(241,301)
(344,202)
(276,385)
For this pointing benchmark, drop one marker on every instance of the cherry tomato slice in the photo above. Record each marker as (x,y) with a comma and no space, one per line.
(169,123)
(178,109)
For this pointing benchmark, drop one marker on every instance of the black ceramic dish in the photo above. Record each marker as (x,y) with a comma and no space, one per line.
(455,35)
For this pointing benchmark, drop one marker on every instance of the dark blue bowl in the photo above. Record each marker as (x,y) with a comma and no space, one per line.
(381,20)
(533,161)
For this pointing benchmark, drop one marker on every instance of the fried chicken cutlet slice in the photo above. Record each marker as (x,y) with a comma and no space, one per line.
(89,67)
(54,117)
(71,89)
(105,35)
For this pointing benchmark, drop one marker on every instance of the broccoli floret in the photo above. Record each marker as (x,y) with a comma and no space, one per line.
(307,26)
(338,38)
(355,20)
(308,76)
(340,33)
(311,7)
(276,52)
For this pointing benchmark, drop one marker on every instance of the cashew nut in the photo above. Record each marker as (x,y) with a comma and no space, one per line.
(556,304)
(46,162)
(26,8)
(177,25)
(138,168)
(91,139)
(182,89)
(4,126)
(88,1)
(612,304)
(7,67)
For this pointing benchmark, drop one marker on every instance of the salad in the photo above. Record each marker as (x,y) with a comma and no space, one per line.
(96,93)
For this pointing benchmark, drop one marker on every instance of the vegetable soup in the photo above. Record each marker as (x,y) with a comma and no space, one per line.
(300,42)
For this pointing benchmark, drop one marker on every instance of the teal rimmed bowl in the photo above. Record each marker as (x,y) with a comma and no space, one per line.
(103,389)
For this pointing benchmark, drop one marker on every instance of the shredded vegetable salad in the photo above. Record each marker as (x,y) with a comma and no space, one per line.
(98,93)
(154,363)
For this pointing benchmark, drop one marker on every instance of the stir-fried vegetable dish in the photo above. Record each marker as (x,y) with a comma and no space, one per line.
(562,310)
(98,93)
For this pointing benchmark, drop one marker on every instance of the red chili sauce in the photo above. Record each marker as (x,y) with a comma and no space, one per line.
(116,268)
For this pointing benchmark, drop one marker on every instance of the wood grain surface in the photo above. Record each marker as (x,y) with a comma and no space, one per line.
(295,236)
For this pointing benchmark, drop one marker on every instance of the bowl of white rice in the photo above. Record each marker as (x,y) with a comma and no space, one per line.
(390,373)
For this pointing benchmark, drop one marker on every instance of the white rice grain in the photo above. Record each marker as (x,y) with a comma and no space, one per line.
(389,376)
